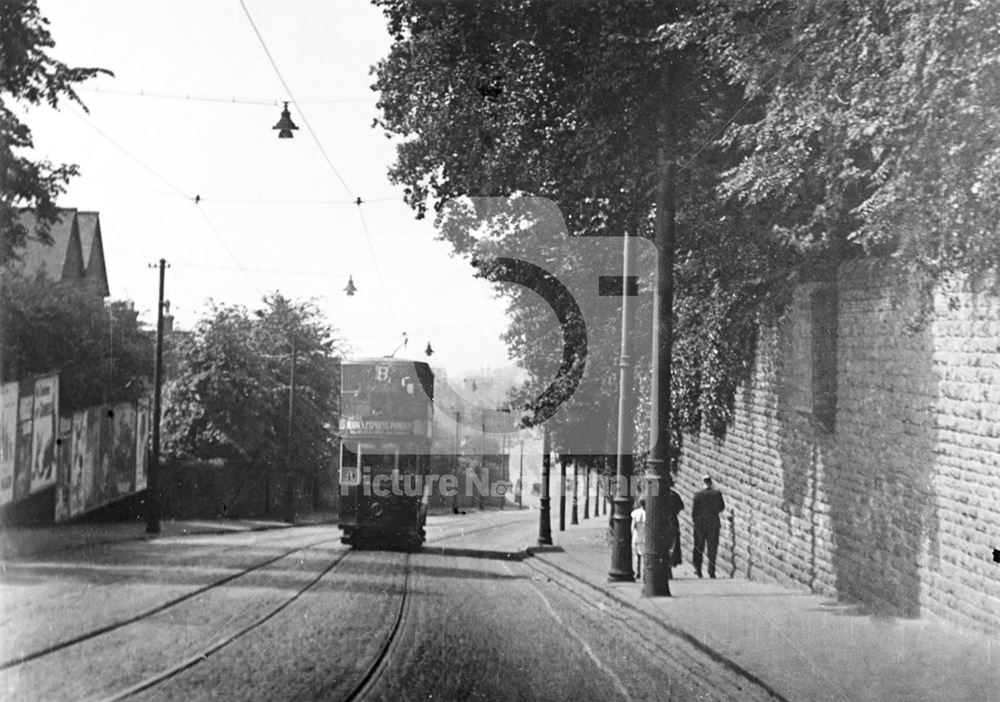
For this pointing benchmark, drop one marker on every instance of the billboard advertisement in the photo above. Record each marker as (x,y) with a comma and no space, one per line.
(64,456)
(43,440)
(8,440)
(123,448)
(77,481)
(22,447)
(143,427)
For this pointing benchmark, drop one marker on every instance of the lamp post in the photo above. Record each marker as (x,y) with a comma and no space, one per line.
(544,525)
(482,460)
(289,469)
(576,475)
(656,560)
(621,509)
(520,478)
(562,492)
(597,493)
(458,426)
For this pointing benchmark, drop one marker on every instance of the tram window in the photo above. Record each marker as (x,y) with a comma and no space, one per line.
(348,458)
(349,473)
(351,379)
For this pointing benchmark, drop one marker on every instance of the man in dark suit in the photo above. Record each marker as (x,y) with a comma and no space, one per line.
(707,505)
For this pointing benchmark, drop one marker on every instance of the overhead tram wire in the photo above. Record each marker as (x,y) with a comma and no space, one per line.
(358,200)
(162,95)
(169,184)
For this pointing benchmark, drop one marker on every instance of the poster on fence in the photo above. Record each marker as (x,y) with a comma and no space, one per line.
(8,440)
(123,449)
(64,467)
(94,467)
(142,429)
(79,475)
(43,440)
(22,447)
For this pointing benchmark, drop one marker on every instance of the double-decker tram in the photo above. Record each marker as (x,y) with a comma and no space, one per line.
(386,413)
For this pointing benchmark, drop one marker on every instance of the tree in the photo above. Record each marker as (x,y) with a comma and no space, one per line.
(868,124)
(102,353)
(231,397)
(490,99)
(28,74)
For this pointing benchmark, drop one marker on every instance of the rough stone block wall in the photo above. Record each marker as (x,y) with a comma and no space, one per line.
(895,504)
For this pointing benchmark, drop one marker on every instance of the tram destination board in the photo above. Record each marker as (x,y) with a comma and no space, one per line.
(386,397)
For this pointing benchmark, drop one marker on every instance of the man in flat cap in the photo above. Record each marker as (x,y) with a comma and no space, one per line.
(708,503)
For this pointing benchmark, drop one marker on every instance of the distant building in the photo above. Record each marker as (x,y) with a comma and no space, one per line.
(76,255)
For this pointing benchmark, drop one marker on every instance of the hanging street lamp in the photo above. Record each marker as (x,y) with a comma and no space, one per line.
(350,289)
(285,124)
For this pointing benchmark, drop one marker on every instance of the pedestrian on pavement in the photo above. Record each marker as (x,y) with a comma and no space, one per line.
(676,507)
(708,503)
(639,535)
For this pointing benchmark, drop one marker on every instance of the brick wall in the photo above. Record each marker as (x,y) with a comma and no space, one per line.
(864,460)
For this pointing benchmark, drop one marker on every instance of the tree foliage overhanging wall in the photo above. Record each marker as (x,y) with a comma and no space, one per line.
(803,133)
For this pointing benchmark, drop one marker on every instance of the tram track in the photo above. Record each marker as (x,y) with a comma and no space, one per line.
(365,683)
(722,677)
(146,614)
(385,654)
(203,655)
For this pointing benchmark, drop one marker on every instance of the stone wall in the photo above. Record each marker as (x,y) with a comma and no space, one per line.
(864,460)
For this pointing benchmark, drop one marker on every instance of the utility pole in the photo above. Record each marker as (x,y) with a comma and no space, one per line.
(289,469)
(586,492)
(544,525)
(621,510)
(656,560)
(153,472)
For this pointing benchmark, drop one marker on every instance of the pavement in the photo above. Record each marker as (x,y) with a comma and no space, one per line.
(797,645)
(18,542)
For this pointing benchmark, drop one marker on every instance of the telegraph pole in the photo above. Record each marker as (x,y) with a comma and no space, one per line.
(621,508)
(153,471)
(586,492)
(544,526)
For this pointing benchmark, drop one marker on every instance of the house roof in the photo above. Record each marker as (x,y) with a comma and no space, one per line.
(76,253)
(92,247)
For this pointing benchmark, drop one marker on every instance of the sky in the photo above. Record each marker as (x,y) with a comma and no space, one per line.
(189,114)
